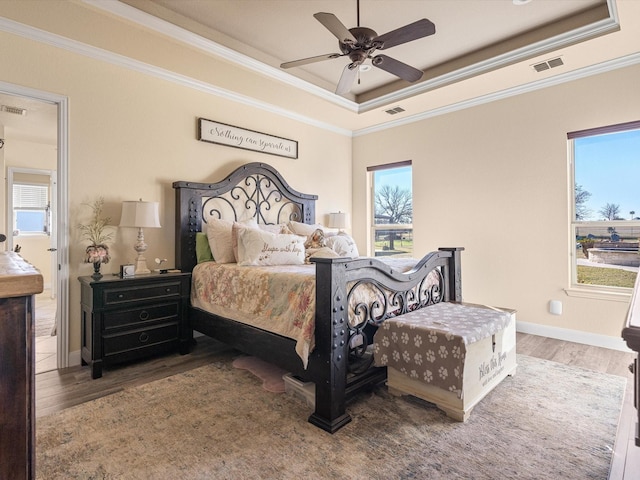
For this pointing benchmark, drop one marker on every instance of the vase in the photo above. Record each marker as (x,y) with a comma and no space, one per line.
(96,271)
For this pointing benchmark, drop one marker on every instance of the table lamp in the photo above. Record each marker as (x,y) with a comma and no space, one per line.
(140,215)
(338,220)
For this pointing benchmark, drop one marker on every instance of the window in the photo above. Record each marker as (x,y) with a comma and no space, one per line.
(392,212)
(606,206)
(30,208)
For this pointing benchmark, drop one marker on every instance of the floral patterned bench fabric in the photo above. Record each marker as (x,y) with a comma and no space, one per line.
(430,344)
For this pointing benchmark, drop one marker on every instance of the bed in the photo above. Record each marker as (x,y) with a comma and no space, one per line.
(352,296)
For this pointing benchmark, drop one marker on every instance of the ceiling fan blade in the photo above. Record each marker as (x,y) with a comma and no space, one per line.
(397,68)
(346,79)
(413,31)
(305,61)
(335,26)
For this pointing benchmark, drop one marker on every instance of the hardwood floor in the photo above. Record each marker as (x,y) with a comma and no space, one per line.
(62,389)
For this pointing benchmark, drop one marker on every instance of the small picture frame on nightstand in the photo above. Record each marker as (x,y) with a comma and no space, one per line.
(127,271)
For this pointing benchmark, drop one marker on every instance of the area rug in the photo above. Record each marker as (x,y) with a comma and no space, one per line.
(216,422)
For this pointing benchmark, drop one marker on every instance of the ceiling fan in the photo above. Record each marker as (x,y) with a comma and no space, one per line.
(360,43)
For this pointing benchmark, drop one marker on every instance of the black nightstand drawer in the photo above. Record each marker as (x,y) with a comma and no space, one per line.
(135,316)
(144,337)
(116,296)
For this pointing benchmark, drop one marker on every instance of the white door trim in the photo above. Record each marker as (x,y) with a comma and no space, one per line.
(63,209)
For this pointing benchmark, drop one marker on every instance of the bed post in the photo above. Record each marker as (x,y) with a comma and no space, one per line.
(454,273)
(187,224)
(328,362)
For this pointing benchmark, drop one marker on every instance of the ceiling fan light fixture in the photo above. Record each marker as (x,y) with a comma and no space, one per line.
(360,43)
(521,2)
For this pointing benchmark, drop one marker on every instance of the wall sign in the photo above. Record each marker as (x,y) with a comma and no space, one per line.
(223,134)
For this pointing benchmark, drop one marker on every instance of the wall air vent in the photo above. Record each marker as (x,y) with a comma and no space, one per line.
(14,110)
(547,64)
(394,110)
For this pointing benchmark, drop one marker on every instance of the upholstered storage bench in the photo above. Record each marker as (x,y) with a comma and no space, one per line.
(450,354)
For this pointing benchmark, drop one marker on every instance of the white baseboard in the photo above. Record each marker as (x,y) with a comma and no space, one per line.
(75,358)
(576,336)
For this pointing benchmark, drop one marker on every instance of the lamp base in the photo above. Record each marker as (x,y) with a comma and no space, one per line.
(141,247)
(141,266)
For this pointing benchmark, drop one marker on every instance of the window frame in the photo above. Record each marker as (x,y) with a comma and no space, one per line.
(46,210)
(372,203)
(582,289)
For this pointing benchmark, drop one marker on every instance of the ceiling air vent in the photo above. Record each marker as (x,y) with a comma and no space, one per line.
(14,110)
(394,110)
(547,64)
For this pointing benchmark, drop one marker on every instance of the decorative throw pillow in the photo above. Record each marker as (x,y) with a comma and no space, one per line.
(322,252)
(304,229)
(220,241)
(237,227)
(203,250)
(257,247)
(316,239)
(343,245)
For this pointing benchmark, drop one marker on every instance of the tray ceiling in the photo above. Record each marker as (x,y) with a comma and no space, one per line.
(471,37)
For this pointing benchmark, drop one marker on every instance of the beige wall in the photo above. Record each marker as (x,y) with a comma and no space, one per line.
(494,179)
(131,135)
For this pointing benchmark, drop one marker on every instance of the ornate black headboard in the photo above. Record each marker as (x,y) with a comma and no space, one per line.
(255,190)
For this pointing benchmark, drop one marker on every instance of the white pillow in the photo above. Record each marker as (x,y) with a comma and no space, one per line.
(306,229)
(343,245)
(258,247)
(220,239)
(279,228)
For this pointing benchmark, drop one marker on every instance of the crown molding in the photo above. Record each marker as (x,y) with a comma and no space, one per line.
(578,35)
(196,41)
(58,41)
(578,74)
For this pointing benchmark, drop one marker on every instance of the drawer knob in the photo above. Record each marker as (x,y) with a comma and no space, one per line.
(168,290)
(144,315)
(144,337)
(121,295)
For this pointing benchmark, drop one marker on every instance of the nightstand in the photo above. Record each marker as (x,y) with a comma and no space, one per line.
(124,319)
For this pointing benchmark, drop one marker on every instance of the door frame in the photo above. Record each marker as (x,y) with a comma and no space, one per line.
(62,224)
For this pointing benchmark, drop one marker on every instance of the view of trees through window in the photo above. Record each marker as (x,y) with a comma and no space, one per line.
(393,211)
(606,205)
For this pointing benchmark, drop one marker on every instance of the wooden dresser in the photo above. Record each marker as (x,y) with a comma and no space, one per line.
(631,335)
(19,282)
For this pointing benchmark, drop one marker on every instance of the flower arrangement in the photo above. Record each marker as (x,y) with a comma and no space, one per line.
(95,232)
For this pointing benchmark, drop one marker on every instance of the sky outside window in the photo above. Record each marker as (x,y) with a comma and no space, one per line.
(400,176)
(608,167)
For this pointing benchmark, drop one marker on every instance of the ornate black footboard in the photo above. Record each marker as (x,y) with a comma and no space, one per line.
(343,329)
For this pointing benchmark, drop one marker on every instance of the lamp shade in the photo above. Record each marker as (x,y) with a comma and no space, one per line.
(140,214)
(338,220)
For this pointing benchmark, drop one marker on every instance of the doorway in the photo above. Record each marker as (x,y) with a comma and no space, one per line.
(33,205)
(31,231)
